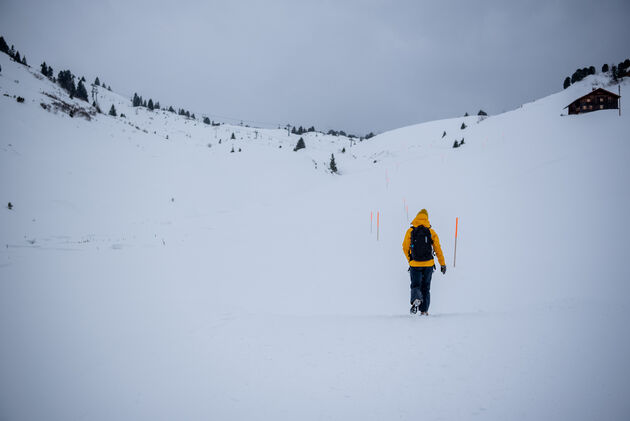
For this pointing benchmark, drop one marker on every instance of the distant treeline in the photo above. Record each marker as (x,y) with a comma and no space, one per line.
(65,78)
(617,72)
(12,52)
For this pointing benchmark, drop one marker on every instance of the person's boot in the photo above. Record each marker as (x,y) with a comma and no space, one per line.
(414,306)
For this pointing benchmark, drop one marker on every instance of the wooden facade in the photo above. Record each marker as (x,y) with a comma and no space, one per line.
(598,99)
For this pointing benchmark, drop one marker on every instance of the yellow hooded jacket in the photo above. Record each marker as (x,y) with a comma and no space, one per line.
(423,219)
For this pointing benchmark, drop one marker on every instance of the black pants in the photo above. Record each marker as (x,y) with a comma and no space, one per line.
(421,285)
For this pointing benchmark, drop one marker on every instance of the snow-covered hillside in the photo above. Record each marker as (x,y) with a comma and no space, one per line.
(147,272)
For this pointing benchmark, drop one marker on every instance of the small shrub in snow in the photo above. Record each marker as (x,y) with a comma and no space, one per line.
(300,145)
(10,206)
(232,151)
(343,150)
(233,137)
(112,111)
(444,134)
(463,126)
(19,99)
(333,164)
(456,144)
(482,112)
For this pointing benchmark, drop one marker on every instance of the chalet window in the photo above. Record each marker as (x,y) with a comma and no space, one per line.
(588,100)
(583,107)
(601,99)
(601,107)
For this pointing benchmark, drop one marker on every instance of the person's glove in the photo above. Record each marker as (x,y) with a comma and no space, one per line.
(443,270)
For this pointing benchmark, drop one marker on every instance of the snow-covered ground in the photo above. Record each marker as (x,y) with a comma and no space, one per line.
(146,272)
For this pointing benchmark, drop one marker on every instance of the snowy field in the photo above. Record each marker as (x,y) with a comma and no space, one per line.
(148,273)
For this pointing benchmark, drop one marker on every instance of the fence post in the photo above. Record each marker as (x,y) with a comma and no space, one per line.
(455,252)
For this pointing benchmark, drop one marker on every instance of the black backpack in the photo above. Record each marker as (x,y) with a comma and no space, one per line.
(421,247)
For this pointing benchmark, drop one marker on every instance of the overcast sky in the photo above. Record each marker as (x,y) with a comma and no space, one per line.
(358,66)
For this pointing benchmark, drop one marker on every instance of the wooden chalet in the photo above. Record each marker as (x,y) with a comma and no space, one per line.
(598,99)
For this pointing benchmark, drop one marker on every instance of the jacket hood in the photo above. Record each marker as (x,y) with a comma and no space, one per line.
(421,219)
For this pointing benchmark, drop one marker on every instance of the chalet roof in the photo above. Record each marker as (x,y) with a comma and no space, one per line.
(593,92)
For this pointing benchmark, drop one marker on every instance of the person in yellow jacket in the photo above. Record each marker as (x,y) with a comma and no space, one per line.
(420,244)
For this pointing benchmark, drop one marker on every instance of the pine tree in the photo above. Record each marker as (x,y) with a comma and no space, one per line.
(482,112)
(44,69)
(463,126)
(81,92)
(17,57)
(24,61)
(3,46)
(206,120)
(150,105)
(456,144)
(50,72)
(171,109)
(300,145)
(65,79)
(333,164)
(97,82)
(604,68)
(157,105)
(112,111)
(466,115)
(233,137)
(567,82)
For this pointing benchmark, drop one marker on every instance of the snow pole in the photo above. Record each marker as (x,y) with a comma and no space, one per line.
(455,252)
(406,208)
(378,225)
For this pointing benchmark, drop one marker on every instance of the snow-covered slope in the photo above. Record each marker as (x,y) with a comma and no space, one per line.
(147,275)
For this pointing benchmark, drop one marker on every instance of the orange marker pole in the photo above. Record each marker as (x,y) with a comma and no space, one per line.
(455,253)
(378,225)
(371,222)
